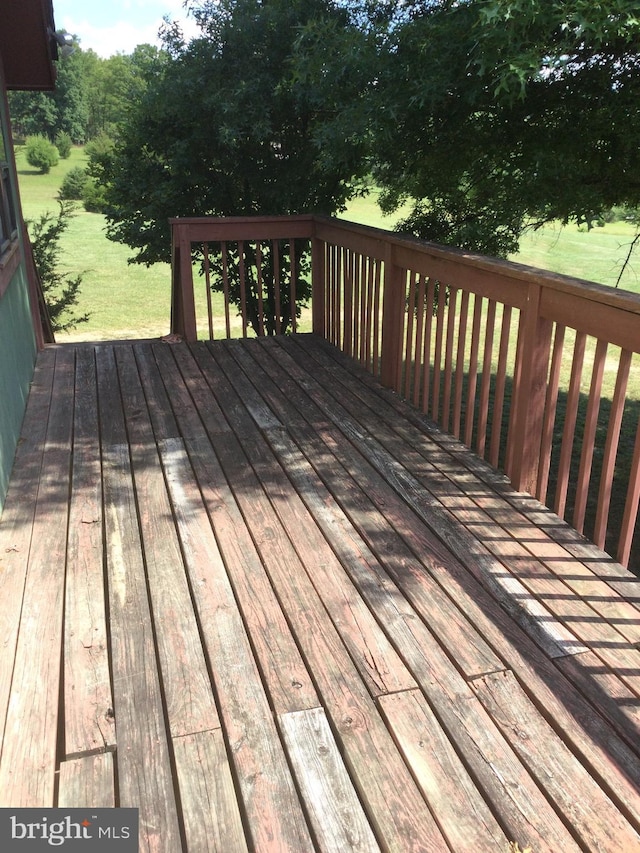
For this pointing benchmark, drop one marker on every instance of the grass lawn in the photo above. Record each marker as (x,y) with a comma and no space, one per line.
(124,300)
(597,255)
(132,301)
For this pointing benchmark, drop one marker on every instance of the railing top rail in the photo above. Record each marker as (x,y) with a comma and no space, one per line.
(405,244)
(204,228)
(406,251)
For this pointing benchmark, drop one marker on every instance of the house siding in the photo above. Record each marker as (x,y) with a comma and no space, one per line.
(17,360)
(18,345)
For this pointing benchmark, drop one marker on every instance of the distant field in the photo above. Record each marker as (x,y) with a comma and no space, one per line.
(124,300)
(128,300)
(595,255)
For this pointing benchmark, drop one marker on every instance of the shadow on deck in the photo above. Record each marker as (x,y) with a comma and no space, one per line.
(251,593)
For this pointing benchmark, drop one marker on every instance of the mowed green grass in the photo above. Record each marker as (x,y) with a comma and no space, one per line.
(132,301)
(124,300)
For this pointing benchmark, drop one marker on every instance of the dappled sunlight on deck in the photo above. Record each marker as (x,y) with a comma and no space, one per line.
(262,599)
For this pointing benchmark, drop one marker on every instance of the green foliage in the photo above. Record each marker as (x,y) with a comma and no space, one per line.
(99,151)
(224,129)
(74,184)
(41,153)
(92,95)
(63,144)
(32,113)
(61,292)
(70,97)
(94,197)
(488,114)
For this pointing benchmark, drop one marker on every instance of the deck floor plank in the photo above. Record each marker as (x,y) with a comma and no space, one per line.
(210,808)
(378,663)
(31,730)
(465,817)
(190,706)
(145,779)
(269,798)
(289,684)
(591,816)
(368,749)
(289,613)
(335,812)
(16,531)
(402,466)
(361,536)
(87,782)
(88,698)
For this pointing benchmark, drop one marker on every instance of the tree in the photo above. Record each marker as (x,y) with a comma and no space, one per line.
(70,97)
(500,113)
(113,85)
(41,153)
(490,115)
(61,292)
(225,129)
(32,113)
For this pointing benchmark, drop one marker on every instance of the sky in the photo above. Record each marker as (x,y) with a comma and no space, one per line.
(117,26)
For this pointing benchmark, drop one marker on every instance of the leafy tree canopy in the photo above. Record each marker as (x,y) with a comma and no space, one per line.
(225,128)
(490,114)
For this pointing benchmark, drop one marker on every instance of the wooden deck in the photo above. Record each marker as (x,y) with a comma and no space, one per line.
(251,593)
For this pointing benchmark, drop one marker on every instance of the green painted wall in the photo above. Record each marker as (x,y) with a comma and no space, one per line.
(17,359)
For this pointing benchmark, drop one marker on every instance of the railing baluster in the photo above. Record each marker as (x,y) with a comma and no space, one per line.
(631,505)
(460,363)
(473,371)
(377,327)
(259,289)
(225,287)
(362,278)
(611,448)
(409,358)
(207,279)
(448,356)
(426,358)
(588,437)
(243,286)
(369,319)
(570,417)
(293,299)
(551,402)
(437,355)
(275,248)
(485,387)
(419,347)
(501,381)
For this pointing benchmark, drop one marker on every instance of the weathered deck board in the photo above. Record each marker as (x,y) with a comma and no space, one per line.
(88,699)
(87,782)
(461,810)
(17,522)
(144,768)
(335,813)
(31,729)
(378,773)
(287,613)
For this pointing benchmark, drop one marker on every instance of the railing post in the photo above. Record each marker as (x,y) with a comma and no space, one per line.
(183,309)
(529,395)
(319,287)
(393,308)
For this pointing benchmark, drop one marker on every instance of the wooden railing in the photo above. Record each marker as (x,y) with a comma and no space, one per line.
(528,368)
